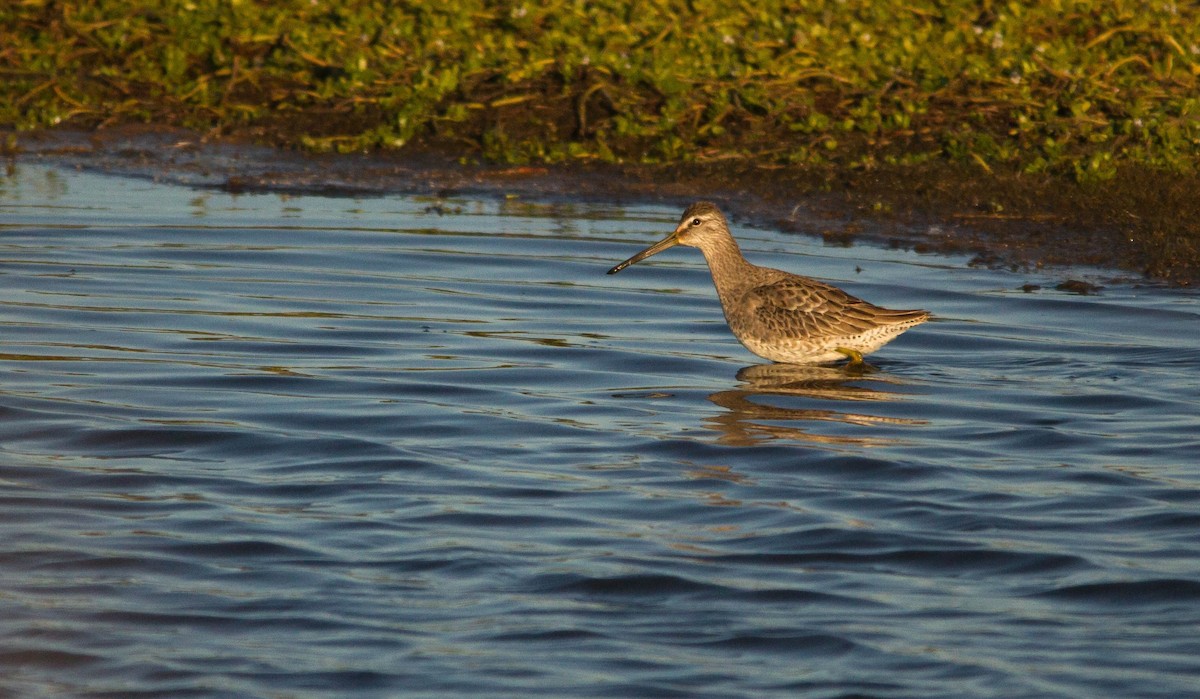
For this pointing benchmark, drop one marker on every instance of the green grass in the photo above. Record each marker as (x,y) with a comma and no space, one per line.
(1085,114)
(1079,89)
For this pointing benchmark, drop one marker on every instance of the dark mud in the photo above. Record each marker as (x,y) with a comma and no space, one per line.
(1140,226)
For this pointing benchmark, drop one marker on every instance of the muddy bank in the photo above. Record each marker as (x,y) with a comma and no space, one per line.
(1140,225)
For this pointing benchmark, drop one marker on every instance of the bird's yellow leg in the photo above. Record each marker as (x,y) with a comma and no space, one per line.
(853,355)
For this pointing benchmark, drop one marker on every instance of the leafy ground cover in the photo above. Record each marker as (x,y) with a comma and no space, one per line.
(1058,102)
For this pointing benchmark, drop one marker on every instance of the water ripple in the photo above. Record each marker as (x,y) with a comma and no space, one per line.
(257,445)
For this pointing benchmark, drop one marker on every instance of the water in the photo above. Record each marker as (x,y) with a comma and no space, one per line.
(281,446)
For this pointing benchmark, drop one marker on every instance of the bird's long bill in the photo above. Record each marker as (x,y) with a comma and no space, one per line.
(668,242)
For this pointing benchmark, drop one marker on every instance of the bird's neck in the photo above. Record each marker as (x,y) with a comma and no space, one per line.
(729,269)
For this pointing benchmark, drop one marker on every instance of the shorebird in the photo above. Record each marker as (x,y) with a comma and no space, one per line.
(780,316)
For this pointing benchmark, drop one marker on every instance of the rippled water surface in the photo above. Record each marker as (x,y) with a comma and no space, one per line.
(264,445)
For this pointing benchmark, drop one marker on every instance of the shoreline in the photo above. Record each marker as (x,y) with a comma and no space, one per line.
(1009,221)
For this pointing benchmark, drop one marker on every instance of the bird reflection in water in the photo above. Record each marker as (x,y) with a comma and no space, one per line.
(748,418)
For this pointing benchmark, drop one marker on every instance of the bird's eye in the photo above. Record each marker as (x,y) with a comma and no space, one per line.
(696,221)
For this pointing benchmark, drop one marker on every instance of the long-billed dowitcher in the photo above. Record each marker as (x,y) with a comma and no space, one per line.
(776,315)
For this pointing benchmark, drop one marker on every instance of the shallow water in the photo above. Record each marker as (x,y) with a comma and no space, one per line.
(269,445)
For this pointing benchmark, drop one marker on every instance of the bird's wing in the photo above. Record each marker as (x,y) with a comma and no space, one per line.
(807,307)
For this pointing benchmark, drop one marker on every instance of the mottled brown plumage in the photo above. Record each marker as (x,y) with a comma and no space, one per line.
(777,315)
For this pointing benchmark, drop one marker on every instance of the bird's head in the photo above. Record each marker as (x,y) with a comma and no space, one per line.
(700,224)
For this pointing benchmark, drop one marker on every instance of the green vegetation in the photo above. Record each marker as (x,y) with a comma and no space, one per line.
(1078,88)
(1085,113)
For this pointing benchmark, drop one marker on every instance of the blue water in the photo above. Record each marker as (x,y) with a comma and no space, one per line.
(293,446)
